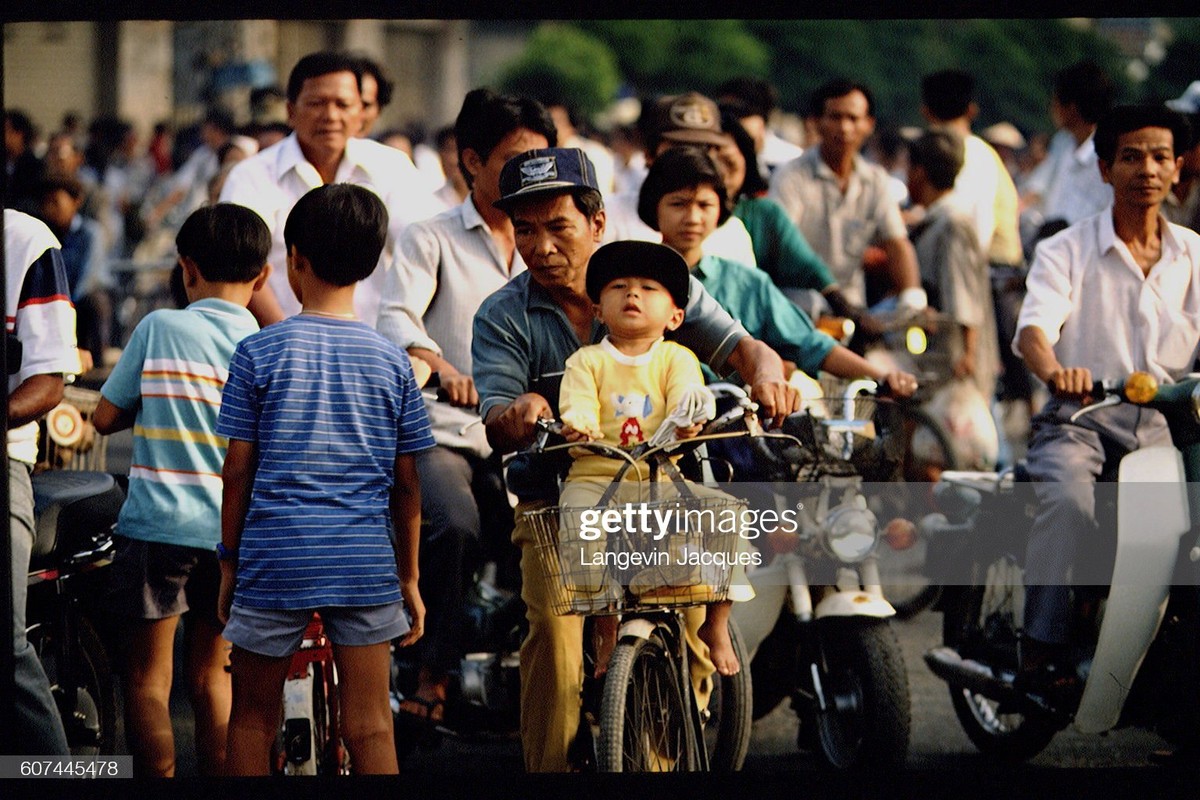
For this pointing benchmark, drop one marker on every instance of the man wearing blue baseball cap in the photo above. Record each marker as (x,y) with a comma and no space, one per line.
(523,335)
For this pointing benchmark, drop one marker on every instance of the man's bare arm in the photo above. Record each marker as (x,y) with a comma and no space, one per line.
(511,427)
(762,368)
(1040,358)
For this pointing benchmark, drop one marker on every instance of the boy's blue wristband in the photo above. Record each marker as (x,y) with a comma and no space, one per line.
(225,554)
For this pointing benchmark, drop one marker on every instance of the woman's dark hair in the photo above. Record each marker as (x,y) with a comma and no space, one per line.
(341,229)
(487,117)
(754,184)
(680,167)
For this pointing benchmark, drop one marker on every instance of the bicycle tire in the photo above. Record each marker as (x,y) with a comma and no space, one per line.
(645,713)
(731,706)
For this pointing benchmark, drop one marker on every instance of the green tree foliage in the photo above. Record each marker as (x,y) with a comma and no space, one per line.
(564,64)
(1179,67)
(669,56)
(1013,60)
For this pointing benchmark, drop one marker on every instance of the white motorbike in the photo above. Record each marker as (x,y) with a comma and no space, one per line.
(818,629)
(1138,638)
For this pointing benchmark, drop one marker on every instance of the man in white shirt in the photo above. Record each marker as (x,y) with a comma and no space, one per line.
(983,189)
(325,112)
(40,317)
(445,268)
(1117,292)
(758,99)
(686,119)
(1073,190)
(841,203)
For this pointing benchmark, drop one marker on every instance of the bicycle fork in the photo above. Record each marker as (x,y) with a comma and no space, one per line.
(643,628)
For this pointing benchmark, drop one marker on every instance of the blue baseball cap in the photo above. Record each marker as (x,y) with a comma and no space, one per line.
(550,169)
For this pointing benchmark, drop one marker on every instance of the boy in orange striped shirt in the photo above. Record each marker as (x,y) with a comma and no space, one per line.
(167,387)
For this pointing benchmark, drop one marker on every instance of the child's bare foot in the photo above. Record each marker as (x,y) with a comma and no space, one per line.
(604,641)
(720,646)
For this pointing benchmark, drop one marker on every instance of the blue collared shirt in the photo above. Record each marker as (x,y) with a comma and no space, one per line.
(522,340)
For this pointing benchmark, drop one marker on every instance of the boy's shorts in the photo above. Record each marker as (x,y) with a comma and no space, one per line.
(155,580)
(278,633)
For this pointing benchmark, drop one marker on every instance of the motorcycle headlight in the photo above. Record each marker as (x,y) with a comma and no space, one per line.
(850,533)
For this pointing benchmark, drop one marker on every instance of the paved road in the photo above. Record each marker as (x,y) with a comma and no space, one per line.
(938,742)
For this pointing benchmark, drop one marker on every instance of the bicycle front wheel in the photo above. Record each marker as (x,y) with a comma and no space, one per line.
(645,716)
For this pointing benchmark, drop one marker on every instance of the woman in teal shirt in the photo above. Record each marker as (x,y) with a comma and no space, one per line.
(684,198)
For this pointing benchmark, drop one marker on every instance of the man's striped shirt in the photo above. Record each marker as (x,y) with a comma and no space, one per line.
(172,371)
(330,404)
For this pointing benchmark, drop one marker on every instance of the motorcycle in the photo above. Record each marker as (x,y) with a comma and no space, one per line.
(75,513)
(818,628)
(1137,639)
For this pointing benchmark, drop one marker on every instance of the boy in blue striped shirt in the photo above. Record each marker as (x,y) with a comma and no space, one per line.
(324,418)
(167,387)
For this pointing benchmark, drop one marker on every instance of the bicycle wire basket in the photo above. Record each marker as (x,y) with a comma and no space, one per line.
(68,440)
(631,564)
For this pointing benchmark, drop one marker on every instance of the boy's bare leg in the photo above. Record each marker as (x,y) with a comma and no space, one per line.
(715,633)
(257,706)
(210,691)
(149,665)
(364,674)
(604,640)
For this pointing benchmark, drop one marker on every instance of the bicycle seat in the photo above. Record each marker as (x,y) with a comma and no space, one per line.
(71,507)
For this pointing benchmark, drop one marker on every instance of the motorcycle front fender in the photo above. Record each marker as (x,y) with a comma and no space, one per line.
(854,604)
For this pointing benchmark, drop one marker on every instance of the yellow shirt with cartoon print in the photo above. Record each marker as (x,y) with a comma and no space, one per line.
(621,400)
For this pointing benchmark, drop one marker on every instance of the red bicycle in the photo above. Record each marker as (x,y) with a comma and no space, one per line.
(310,740)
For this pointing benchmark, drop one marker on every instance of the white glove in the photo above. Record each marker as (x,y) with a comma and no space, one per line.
(696,405)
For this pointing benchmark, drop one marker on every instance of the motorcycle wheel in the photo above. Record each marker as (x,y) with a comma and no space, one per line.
(867,721)
(984,622)
(645,717)
(727,731)
(90,720)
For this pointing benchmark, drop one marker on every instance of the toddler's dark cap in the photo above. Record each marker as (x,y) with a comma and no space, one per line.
(550,169)
(691,118)
(638,260)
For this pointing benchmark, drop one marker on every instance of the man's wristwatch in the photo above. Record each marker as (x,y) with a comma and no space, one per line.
(224,553)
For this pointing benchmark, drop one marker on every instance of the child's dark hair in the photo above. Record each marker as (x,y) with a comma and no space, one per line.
(1126,119)
(487,117)
(681,167)
(341,229)
(228,242)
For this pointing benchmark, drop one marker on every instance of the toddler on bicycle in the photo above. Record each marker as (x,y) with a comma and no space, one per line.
(324,418)
(621,390)
(167,387)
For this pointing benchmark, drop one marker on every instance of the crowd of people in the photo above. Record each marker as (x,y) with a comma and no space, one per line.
(329,269)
